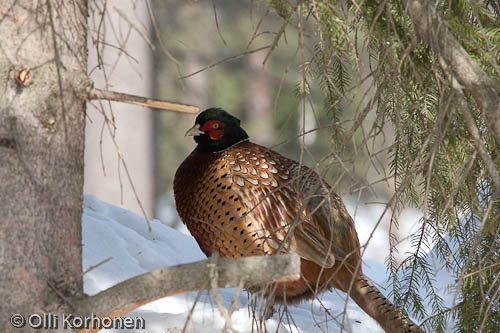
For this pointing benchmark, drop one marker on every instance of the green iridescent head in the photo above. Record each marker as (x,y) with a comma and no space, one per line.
(216,130)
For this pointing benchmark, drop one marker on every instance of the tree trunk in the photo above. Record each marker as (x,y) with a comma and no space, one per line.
(43,56)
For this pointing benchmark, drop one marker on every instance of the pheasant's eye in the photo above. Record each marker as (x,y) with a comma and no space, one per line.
(215,125)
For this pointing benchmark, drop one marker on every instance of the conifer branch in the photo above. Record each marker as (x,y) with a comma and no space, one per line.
(456,61)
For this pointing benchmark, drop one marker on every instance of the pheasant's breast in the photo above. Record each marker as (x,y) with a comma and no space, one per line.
(210,201)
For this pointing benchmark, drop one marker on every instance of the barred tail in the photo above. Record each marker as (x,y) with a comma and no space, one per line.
(374,303)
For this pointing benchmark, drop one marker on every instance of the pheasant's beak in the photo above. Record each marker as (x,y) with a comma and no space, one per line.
(194,131)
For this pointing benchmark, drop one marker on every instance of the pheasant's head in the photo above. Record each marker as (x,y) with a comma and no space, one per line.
(216,130)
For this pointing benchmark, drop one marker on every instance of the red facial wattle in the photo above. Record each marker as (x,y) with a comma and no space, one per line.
(214,129)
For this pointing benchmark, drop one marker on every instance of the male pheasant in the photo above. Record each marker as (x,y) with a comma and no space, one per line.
(240,199)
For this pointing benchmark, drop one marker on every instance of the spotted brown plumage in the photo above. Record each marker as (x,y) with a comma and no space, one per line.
(239,199)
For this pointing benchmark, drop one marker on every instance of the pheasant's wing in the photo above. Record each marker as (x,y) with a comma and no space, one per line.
(286,206)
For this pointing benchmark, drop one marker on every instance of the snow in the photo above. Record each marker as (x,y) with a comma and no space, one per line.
(110,231)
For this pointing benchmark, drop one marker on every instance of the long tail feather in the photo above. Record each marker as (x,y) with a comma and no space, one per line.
(374,303)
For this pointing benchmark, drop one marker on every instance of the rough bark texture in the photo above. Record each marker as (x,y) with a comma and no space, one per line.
(41,152)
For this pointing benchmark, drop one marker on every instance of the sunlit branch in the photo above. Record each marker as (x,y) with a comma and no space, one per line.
(95,93)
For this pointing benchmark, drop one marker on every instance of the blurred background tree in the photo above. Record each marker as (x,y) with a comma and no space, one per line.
(392,101)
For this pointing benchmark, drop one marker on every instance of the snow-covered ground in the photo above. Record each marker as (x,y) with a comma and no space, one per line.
(109,231)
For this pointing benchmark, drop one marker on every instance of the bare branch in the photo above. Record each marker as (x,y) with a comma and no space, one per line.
(281,31)
(95,93)
(456,61)
(217,23)
(225,60)
(132,293)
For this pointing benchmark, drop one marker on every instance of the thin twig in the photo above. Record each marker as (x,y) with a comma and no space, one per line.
(84,272)
(129,176)
(64,298)
(96,265)
(217,23)
(282,30)
(131,24)
(225,60)
(158,36)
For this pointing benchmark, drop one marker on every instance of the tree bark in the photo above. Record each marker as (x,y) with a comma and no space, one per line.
(43,50)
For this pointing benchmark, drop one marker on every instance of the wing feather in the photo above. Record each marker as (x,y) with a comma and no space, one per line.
(280,204)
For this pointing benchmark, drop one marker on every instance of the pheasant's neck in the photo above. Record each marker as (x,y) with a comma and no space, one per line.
(234,144)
